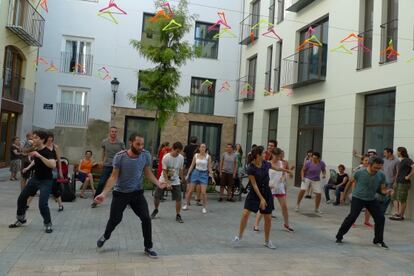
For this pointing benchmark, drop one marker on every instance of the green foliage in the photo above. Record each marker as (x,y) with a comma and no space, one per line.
(168,52)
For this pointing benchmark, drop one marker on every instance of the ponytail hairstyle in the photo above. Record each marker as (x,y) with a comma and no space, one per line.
(403,152)
(256,151)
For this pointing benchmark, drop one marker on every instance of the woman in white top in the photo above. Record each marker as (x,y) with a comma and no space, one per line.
(199,171)
(277,184)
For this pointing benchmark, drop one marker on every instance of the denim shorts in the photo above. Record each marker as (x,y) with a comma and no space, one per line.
(199,177)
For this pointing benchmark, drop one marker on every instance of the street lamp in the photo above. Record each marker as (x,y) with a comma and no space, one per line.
(114,87)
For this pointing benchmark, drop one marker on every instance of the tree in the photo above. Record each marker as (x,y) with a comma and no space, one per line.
(168,52)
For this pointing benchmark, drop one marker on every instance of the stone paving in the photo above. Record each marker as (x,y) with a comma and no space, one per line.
(199,246)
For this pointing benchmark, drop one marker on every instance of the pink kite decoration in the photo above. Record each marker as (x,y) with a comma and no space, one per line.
(167,4)
(361,46)
(225,86)
(222,21)
(310,31)
(111,5)
(103,73)
(272,34)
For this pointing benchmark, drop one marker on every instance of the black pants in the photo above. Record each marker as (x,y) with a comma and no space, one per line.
(139,205)
(106,173)
(31,188)
(374,209)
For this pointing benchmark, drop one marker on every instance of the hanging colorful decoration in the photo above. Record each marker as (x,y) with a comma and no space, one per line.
(221,21)
(172,25)
(52,67)
(271,32)
(225,33)
(103,73)
(108,12)
(225,86)
(269,92)
(208,84)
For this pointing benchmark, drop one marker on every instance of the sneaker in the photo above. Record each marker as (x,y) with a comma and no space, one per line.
(204,211)
(199,203)
(27,207)
(382,245)
(236,241)
(18,223)
(274,217)
(48,228)
(336,203)
(318,211)
(154,213)
(367,224)
(396,217)
(179,219)
(185,207)
(288,228)
(93,205)
(269,245)
(329,201)
(150,253)
(101,242)
(256,229)
(230,200)
(60,208)
(162,199)
(339,241)
(297,208)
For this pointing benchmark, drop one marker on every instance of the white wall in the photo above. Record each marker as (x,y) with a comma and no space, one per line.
(111,48)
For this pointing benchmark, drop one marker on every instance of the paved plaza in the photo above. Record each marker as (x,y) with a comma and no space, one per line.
(199,246)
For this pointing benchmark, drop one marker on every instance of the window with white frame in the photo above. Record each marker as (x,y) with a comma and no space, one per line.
(76,56)
(72,109)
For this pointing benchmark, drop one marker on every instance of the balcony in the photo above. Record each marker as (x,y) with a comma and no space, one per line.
(389,41)
(76,64)
(305,67)
(26,22)
(246,88)
(299,5)
(72,115)
(248,35)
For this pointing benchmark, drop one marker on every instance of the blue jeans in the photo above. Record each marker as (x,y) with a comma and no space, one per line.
(34,184)
(338,192)
(106,173)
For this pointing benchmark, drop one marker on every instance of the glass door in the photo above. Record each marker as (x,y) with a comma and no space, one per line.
(209,134)
(7,132)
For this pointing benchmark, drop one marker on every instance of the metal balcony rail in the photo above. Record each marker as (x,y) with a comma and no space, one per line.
(304,67)
(389,41)
(26,22)
(76,64)
(75,115)
(246,88)
(247,34)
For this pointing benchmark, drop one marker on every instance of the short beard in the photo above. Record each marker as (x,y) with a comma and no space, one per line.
(135,151)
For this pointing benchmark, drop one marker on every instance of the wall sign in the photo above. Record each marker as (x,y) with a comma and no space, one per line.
(48,106)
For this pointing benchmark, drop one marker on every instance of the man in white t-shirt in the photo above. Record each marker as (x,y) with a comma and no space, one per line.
(172,171)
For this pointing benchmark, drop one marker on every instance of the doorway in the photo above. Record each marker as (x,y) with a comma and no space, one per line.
(7,132)
(310,134)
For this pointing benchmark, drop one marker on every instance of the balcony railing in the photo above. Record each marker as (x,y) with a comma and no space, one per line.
(75,115)
(26,22)
(246,88)
(76,64)
(305,67)
(389,41)
(364,59)
(247,34)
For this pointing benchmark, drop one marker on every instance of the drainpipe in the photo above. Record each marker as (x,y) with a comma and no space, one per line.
(240,61)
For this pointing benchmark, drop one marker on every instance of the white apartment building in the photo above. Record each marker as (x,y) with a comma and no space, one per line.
(333,92)
(84,52)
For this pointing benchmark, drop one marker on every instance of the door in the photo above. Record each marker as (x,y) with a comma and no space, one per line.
(310,134)
(209,134)
(7,132)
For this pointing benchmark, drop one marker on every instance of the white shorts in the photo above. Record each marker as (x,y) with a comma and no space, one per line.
(316,185)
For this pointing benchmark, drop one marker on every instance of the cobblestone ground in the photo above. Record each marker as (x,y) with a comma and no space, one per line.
(199,246)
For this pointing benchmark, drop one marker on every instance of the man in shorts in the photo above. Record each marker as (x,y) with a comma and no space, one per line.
(228,172)
(172,171)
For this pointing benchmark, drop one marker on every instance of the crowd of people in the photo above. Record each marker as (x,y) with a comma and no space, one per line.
(372,186)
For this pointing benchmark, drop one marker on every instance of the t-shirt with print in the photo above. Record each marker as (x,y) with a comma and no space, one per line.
(390,169)
(228,162)
(131,170)
(313,171)
(41,171)
(367,184)
(404,169)
(111,149)
(173,165)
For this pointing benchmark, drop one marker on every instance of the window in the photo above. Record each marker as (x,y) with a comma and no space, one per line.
(273,121)
(255,17)
(210,134)
(389,31)
(72,110)
(251,72)
(278,64)
(76,57)
(313,60)
(379,121)
(365,57)
(249,132)
(204,39)
(280,11)
(145,127)
(202,95)
(149,35)
(268,73)
(141,87)
(272,11)
(12,74)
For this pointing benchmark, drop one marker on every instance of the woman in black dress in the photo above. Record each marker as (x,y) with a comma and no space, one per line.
(260,197)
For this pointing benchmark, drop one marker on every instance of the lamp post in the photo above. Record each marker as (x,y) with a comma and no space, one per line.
(114,87)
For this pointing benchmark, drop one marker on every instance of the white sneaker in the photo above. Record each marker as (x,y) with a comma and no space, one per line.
(329,201)
(185,207)
(269,245)
(236,241)
(297,208)
(318,211)
(204,211)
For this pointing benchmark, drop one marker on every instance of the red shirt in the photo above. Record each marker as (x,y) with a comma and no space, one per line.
(161,154)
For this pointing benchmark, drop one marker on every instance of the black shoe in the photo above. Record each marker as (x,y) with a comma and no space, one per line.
(273,216)
(101,242)
(179,219)
(48,228)
(339,241)
(382,245)
(93,205)
(27,207)
(154,213)
(150,253)
(60,208)
(162,199)
(335,203)
(308,196)
(230,200)
(220,199)
(18,223)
